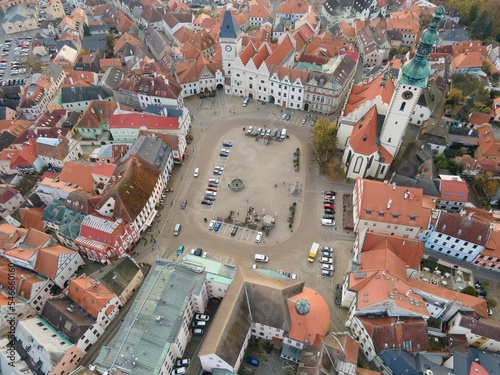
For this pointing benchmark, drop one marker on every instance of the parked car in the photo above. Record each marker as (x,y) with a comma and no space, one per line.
(304,121)
(197,332)
(199,323)
(219,168)
(227,144)
(217,226)
(212,184)
(252,361)
(208,192)
(258,237)
(326,260)
(213,180)
(328,217)
(327,254)
(206,202)
(217,172)
(180,250)
(211,225)
(283,116)
(288,117)
(223,154)
(327,248)
(182,362)
(259,130)
(226,150)
(329,206)
(331,192)
(329,211)
(179,371)
(326,267)
(211,188)
(206,318)
(326,273)
(234,231)
(196,172)
(209,197)
(250,130)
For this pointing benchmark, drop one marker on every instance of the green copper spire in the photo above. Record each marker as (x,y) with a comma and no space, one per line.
(416,71)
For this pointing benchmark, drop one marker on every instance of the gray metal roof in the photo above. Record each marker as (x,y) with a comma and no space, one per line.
(153,321)
(84,93)
(152,150)
(229,28)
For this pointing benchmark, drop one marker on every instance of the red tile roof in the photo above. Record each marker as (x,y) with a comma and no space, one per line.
(137,120)
(89,294)
(312,326)
(364,137)
(292,7)
(398,204)
(78,172)
(410,251)
(474,303)
(364,92)
(389,333)
(454,190)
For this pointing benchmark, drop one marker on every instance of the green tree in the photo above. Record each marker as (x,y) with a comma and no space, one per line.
(324,142)
(110,41)
(473,12)
(470,291)
(86,30)
(441,161)
(32,63)
(488,28)
(84,52)
(454,96)
(478,25)
(486,67)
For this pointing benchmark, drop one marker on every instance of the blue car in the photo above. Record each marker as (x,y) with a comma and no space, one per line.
(252,361)
(180,250)
(217,226)
(227,144)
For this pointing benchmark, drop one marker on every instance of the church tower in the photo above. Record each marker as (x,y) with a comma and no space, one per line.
(412,80)
(230,41)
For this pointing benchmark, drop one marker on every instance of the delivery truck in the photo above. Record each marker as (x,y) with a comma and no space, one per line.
(313,252)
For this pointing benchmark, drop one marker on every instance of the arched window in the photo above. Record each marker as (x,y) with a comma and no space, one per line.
(403,105)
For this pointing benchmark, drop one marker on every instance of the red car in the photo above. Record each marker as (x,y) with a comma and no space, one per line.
(211,188)
(329,206)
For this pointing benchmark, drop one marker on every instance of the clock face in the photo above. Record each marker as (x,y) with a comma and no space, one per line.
(229,48)
(407,95)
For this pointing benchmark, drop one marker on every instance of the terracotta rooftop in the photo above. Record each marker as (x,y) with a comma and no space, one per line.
(364,92)
(474,303)
(410,251)
(454,190)
(78,172)
(290,7)
(390,333)
(388,203)
(89,294)
(310,316)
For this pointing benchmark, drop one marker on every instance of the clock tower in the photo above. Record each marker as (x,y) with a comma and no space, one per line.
(412,80)
(230,41)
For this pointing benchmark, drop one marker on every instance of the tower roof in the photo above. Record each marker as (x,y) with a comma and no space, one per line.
(229,28)
(416,71)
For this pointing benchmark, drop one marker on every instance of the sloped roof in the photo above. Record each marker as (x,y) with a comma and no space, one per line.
(312,325)
(135,180)
(229,28)
(364,92)
(78,172)
(410,334)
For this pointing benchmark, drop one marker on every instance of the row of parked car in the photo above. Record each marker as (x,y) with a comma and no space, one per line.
(329,208)
(278,134)
(211,192)
(326,261)
(200,321)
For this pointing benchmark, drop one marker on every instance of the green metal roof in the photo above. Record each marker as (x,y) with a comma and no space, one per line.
(416,71)
(153,321)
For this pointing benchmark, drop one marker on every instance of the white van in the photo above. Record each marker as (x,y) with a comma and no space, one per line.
(177,229)
(328,222)
(283,134)
(261,258)
(245,101)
